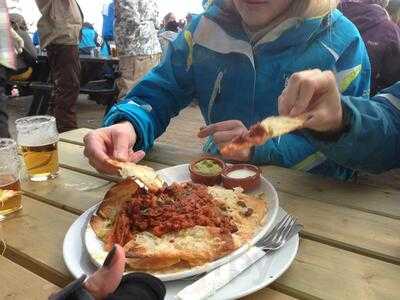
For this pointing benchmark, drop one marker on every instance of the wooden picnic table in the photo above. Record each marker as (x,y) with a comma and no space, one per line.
(349,248)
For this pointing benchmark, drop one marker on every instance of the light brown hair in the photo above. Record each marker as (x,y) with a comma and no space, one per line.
(311,8)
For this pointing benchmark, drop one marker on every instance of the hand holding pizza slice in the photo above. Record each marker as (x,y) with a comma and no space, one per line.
(260,133)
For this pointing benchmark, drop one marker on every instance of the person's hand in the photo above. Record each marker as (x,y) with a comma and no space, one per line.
(114,142)
(315,94)
(224,133)
(106,280)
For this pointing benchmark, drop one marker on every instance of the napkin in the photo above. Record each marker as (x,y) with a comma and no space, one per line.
(213,281)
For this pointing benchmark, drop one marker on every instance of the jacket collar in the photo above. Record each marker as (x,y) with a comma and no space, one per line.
(292,32)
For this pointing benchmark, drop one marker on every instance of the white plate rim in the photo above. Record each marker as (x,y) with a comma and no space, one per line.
(182,170)
(71,262)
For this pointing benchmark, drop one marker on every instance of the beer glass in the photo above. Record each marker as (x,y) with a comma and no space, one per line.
(9,175)
(37,138)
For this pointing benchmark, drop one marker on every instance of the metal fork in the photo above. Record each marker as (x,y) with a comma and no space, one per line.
(277,238)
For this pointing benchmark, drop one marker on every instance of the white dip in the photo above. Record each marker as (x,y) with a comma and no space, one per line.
(241,173)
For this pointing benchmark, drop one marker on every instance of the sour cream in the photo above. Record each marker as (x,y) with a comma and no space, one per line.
(241,173)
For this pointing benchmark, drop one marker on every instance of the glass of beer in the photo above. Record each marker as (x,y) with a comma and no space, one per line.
(9,175)
(37,138)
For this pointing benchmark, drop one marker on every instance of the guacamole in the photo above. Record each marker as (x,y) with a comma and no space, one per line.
(207,167)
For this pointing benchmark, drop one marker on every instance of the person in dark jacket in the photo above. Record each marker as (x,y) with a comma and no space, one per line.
(25,60)
(381,36)
(108,283)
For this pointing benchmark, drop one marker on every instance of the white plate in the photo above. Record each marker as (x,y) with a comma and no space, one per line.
(180,173)
(258,276)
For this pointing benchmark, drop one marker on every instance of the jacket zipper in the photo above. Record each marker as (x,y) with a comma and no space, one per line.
(215,92)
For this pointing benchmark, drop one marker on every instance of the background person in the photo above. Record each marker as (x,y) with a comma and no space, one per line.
(224,59)
(26,60)
(59,29)
(136,38)
(89,39)
(108,25)
(381,36)
(357,132)
(9,44)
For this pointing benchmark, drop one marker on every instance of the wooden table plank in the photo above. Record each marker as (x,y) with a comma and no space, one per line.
(269,294)
(341,226)
(71,157)
(161,153)
(75,136)
(383,201)
(39,230)
(16,283)
(355,230)
(330,273)
(34,238)
(71,191)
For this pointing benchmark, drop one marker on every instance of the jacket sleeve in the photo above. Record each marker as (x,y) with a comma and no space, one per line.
(353,69)
(293,150)
(163,92)
(372,142)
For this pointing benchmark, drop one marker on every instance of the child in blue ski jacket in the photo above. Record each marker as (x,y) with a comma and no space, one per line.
(235,60)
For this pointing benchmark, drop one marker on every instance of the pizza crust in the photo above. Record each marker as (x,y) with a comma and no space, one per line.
(144,174)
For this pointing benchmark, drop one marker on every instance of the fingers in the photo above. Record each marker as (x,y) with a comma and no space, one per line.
(289,95)
(224,137)
(121,145)
(221,126)
(306,92)
(106,280)
(136,156)
(302,89)
(96,152)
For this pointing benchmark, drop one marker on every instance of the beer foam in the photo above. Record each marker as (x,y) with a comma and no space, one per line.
(36,134)
(36,141)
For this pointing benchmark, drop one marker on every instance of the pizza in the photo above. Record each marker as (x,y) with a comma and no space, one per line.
(176,227)
(260,133)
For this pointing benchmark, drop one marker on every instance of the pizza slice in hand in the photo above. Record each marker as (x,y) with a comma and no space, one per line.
(260,133)
(144,174)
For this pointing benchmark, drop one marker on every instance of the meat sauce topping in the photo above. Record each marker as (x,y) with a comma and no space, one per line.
(176,207)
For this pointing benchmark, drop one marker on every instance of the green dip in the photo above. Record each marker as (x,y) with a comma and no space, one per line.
(207,167)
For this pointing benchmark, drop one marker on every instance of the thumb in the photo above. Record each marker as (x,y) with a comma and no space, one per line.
(106,280)
(122,144)
(136,156)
